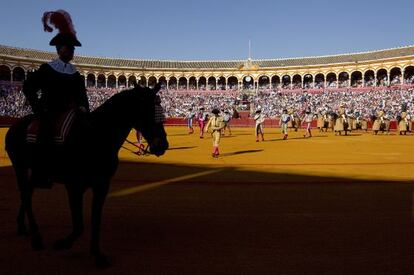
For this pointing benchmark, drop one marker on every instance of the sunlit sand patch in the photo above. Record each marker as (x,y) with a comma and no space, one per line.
(149,186)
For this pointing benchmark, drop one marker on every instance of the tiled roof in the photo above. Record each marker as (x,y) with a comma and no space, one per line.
(31,54)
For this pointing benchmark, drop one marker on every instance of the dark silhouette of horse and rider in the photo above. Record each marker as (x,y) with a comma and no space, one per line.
(57,143)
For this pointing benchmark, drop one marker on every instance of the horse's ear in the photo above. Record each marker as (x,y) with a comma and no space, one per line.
(135,84)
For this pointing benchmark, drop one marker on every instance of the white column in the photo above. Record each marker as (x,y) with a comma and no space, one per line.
(388,77)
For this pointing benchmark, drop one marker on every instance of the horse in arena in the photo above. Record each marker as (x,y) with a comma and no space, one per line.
(323,122)
(380,124)
(341,124)
(89,160)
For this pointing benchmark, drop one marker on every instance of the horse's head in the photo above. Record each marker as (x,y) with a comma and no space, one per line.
(147,120)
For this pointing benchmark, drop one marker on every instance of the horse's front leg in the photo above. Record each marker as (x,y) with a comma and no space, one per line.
(75,197)
(21,225)
(35,237)
(100,192)
(26,194)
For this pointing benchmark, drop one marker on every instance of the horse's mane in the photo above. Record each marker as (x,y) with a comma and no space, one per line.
(110,102)
(117,107)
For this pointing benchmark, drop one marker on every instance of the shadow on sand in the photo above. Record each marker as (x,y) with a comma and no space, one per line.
(216,220)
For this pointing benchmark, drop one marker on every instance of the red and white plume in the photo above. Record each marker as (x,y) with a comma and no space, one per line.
(60,19)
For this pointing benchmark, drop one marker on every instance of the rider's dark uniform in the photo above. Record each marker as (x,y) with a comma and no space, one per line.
(53,90)
(60,89)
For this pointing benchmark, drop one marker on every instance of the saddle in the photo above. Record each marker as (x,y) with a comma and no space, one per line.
(60,128)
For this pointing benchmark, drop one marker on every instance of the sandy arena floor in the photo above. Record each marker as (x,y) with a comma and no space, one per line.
(359,155)
(323,205)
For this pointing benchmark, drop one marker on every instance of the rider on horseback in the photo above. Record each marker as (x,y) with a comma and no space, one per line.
(53,91)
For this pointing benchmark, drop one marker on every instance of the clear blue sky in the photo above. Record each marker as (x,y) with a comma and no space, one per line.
(215,29)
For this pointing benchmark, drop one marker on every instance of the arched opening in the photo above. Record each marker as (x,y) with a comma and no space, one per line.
(343,80)
(409,75)
(202,83)
(121,82)
(232,83)
(152,81)
(163,82)
(221,83)
(319,81)
(5,73)
(90,80)
(142,81)
(264,82)
(275,82)
(382,77)
(356,79)
(331,80)
(248,82)
(18,74)
(369,78)
(192,83)
(308,81)
(182,83)
(101,81)
(131,80)
(212,83)
(172,83)
(286,82)
(82,78)
(297,82)
(111,81)
(395,76)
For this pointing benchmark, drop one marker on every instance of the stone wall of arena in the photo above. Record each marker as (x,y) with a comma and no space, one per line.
(346,70)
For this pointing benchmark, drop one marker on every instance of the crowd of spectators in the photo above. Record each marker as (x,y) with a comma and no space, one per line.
(177,103)
(12,101)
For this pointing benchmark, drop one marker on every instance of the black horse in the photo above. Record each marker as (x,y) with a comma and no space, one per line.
(89,160)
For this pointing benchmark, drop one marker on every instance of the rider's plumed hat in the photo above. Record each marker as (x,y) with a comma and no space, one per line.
(61,20)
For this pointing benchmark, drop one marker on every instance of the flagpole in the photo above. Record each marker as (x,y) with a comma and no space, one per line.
(250,53)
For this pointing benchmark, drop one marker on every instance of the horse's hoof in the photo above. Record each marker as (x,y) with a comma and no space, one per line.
(102,262)
(63,244)
(37,243)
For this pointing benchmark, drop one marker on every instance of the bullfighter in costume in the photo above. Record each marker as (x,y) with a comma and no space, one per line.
(259,119)
(202,117)
(308,117)
(378,122)
(284,120)
(403,122)
(341,123)
(216,124)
